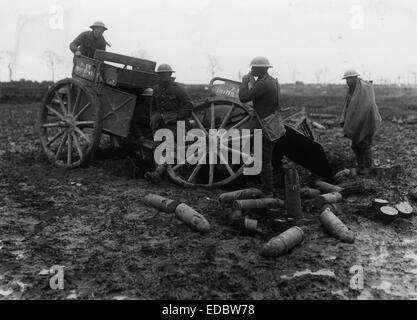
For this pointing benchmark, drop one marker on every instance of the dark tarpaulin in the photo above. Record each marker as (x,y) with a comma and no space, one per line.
(306,153)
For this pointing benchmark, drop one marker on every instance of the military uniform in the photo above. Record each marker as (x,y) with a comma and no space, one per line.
(170,104)
(87,44)
(265,98)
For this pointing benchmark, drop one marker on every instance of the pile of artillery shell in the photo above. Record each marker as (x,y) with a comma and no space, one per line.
(161,203)
(309,193)
(192,218)
(336,227)
(327,187)
(283,243)
(257,204)
(251,193)
(360,187)
(323,199)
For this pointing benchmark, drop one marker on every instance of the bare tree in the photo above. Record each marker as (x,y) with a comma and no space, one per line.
(214,65)
(318,74)
(8,58)
(51,59)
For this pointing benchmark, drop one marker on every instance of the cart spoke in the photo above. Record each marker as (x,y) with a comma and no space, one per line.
(77,101)
(239,138)
(223,161)
(194,173)
(69,150)
(55,112)
(82,134)
(51,125)
(186,161)
(227,117)
(69,99)
(77,144)
(61,103)
(199,122)
(84,123)
(240,123)
(244,155)
(55,137)
(84,109)
(61,146)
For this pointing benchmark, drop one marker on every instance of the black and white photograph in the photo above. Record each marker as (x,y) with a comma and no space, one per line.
(228,152)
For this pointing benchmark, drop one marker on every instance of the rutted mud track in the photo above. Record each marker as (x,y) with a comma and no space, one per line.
(93,222)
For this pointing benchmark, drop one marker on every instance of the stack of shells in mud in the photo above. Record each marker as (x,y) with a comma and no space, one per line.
(335,226)
(182,211)
(292,193)
(283,243)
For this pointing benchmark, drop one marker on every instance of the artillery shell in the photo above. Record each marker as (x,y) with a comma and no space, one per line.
(192,218)
(404,209)
(283,243)
(257,204)
(378,203)
(336,227)
(292,193)
(251,193)
(388,214)
(309,193)
(322,199)
(161,203)
(336,208)
(342,173)
(327,187)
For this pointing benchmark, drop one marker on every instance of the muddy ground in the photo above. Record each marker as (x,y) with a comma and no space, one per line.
(93,222)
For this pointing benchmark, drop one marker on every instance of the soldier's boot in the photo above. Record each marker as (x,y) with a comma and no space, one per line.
(156,175)
(359,160)
(367,162)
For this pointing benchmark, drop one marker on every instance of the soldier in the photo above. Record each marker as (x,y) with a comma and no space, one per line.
(360,119)
(87,42)
(264,93)
(170,104)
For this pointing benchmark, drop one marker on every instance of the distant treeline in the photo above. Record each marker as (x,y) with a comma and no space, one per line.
(319,94)
(23,91)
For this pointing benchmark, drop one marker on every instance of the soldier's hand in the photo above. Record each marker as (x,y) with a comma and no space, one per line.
(245,79)
(77,53)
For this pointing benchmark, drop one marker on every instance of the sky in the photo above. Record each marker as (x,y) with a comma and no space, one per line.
(309,41)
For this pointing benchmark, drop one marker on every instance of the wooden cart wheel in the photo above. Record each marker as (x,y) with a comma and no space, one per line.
(70,123)
(214,114)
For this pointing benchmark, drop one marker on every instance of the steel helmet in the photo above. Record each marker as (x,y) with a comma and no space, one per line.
(350,73)
(260,62)
(164,68)
(98,24)
(148,92)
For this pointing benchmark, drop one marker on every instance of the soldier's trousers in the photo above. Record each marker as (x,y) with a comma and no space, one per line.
(363,153)
(272,154)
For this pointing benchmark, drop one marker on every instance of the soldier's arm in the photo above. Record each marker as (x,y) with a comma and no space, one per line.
(246,94)
(186,102)
(77,42)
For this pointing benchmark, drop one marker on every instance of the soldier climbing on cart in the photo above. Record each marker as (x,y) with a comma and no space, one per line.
(264,93)
(87,42)
(170,103)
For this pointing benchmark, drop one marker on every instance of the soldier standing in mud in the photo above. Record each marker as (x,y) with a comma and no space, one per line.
(170,104)
(264,93)
(87,42)
(360,119)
